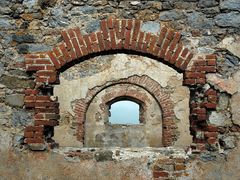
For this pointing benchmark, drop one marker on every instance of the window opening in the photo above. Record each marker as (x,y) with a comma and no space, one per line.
(124,112)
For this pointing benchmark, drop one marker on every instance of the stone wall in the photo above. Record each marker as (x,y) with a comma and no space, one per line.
(205,27)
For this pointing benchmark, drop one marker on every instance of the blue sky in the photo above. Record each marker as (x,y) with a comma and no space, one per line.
(124,112)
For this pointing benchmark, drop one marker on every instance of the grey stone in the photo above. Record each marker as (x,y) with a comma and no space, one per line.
(18,140)
(208,40)
(5,24)
(171,15)
(93,26)
(219,119)
(205,50)
(5,10)
(199,21)
(30,3)
(228,142)
(208,156)
(230,5)
(1,69)
(235,108)
(15,100)
(107,9)
(37,147)
(46,3)
(21,118)
(223,101)
(207,3)
(167,5)
(232,59)
(15,82)
(5,141)
(231,19)
(104,156)
(150,26)
(5,114)
(4,3)
(212,10)
(63,22)
(25,38)
(57,11)
(30,48)
(83,10)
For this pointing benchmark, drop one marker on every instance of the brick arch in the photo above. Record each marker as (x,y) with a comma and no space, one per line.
(113,35)
(117,35)
(148,84)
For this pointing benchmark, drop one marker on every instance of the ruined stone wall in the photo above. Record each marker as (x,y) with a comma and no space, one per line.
(206,27)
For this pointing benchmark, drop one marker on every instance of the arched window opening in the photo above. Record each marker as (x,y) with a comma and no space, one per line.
(124,112)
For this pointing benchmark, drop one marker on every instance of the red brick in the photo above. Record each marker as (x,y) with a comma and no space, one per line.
(211,56)
(136,29)
(46,122)
(212,140)
(184,52)
(50,68)
(188,74)
(176,54)
(93,37)
(31,91)
(179,167)
(66,39)
(29,104)
(200,62)
(210,105)
(179,62)
(201,81)
(199,111)
(140,41)
(206,68)
(152,44)
(117,28)
(76,47)
(129,24)
(54,60)
(175,40)
(34,140)
(186,62)
(110,23)
(164,48)
(113,40)
(43,98)
(212,99)
(127,40)
(189,82)
(42,61)
(162,36)
(79,36)
(28,134)
(35,68)
(211,128)
(157,174)
(71,33)
(100,41)
(211,92)
(202,117)
(46,73)
(65,53)
(88,43)
(123,29)
(211,62)
(34,128)
(210,134)
(104,29)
